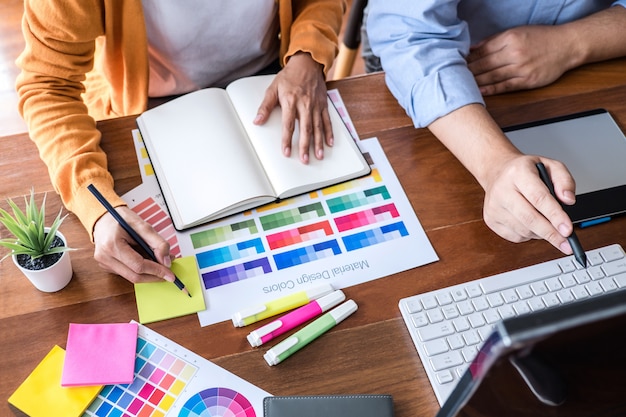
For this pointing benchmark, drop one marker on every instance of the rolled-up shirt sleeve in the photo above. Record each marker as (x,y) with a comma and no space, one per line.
(422,46)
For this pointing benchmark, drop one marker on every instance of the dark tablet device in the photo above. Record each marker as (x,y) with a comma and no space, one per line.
(593,148)
(562,361)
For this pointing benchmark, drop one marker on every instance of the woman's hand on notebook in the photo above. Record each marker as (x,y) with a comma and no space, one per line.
(300,90)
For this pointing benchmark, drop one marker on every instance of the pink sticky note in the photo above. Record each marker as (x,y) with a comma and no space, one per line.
(100,354)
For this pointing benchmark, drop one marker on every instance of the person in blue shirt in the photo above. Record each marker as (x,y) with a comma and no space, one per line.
(440,59)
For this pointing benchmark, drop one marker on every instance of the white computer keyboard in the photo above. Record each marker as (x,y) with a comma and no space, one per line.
(449,325)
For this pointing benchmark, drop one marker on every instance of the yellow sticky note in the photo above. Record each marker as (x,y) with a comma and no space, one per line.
(163,300)
(41,394)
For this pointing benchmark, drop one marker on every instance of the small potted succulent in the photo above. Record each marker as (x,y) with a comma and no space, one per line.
(40,252)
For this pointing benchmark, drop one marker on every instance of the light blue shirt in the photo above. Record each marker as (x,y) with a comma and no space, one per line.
(423,44)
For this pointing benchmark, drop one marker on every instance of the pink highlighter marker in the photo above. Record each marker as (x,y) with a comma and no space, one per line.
(290,320)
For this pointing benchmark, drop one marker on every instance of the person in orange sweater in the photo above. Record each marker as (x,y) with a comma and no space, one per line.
(87,60)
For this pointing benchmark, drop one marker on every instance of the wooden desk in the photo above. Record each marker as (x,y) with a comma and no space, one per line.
(372,351)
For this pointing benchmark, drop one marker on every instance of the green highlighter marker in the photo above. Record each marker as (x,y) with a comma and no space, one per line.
(306,335)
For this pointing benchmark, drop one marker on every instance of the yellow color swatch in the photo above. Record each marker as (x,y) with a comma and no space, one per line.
(41,394)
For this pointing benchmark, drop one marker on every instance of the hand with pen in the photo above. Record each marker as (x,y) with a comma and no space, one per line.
(117,252)
(519,206)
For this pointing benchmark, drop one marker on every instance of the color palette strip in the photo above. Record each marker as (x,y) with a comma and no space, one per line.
(217,402)
(236,273)
(153,214)
(292,216)
(222,234)
(160,377)
(358,199)
(356,183)
(366,217)
(229,253)
(307,254)
(375,236)
(300,234)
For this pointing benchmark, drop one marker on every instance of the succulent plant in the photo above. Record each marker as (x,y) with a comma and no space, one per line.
(31,238)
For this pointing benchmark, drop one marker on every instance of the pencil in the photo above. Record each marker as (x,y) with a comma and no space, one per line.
(579,252)
(132,232)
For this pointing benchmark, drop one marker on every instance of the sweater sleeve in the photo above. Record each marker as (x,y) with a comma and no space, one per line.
(315,29)
(53,67)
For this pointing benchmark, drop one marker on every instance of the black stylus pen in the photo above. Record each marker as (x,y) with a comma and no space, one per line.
(132,232)
(579,252)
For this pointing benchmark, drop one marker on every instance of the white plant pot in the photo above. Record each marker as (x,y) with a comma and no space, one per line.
(53,278)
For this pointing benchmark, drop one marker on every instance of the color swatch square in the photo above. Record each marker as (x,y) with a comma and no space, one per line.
(100,354)
(41,394)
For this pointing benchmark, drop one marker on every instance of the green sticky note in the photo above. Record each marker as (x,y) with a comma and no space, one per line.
(163,300)
(41,394)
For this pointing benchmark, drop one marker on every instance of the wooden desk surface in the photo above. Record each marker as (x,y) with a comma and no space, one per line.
(372,351)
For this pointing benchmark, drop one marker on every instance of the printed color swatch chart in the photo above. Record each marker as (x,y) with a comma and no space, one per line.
(173,381)
(350,233)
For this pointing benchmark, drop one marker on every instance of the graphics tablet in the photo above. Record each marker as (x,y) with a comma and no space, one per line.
(593,148)
(562,361)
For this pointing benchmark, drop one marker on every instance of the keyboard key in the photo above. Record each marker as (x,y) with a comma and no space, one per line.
(581,277)
(471,337)
(485,332)
(480,304)
(524,292)
(594,288)
(491,316)
(429,302)
(469,353)
(567,266)
(413,306)
(435,331)
(595,272)
(621,280)
(536,304)
(506,311)
(608,284)
(476,320)
(446,360)
(594,258)
(419,319)
(568,280)
(551,300)
(474,290)
(580,293)
(455,341)
(444,299)
(614,268)
(539,288)
(436,347)
(434,316)
(612,253)
(521,308)
(465,308)
(445,377)
(510,296)
(450,312)
(495,300)
(565,296)
(553,284)
(461,324)
(521,276)
(459,294)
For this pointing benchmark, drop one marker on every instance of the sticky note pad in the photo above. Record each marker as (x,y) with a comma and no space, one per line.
(41,393)
(100,354)
(163,300)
